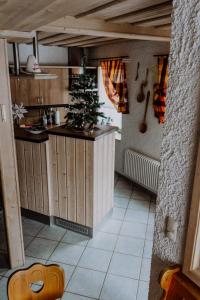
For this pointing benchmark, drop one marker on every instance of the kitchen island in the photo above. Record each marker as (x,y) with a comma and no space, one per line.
(67,176)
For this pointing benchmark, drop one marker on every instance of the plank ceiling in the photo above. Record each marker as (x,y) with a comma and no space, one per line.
(78,23)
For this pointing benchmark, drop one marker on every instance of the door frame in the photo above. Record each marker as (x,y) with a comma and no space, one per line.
(191,265)
(8,166)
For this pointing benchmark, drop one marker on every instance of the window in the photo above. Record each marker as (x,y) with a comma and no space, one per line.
(108,108)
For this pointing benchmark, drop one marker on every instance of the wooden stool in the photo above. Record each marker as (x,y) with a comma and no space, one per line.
(20,284)
(177,286)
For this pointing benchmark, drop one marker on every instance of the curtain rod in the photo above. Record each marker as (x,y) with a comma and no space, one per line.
(109,58)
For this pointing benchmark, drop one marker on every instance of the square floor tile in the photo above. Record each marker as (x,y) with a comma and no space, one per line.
(54,233)
(102,240)
(41,248)
(67,253)
(129,245)
(121,202)
(137,230)
(118,213)
(150,232)
(75,238)
(95,259)
(27,240)
(122,193)
(111,226)
(148,247)
(67,269)
(139,216)
(3,288)
(125,265)
(70,296)
(28,262)
(140,194)
(151,219)
(145,269)
(143,290)
(86,282)
(139,205)
(119,288)
(31,227)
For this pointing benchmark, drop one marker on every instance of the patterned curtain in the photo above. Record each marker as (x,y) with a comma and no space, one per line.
(114,78)
(160,88)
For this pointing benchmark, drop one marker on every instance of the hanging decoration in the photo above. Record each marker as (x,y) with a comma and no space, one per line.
(114,78)
(160,88)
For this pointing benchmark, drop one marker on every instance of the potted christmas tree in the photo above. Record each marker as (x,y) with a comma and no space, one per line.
(83,111)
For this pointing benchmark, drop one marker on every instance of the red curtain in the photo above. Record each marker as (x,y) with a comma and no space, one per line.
(160,88)
(114,78)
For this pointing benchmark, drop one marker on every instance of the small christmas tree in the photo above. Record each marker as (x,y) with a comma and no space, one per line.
(83,112)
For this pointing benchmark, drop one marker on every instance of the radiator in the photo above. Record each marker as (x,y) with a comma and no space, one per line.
(142,169)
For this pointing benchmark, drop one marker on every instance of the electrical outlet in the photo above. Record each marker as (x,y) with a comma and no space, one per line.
(171,228)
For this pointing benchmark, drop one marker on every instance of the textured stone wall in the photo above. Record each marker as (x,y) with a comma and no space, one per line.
(180,136)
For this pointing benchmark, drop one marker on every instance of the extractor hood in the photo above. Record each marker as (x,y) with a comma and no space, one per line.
(19,72)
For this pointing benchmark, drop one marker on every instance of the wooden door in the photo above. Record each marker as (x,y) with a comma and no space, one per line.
(8,166)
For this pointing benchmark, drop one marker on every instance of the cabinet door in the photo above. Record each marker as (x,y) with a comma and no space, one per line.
(55,91)
(34,92)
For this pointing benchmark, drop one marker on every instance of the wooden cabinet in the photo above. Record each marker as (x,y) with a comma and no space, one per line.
(40,92)
(82,178)
(32,160)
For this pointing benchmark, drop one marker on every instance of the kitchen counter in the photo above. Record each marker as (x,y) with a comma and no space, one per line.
(22,134)
(66,176)
(83,135)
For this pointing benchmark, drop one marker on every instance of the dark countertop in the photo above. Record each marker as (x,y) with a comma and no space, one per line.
(22,134)
(84,135)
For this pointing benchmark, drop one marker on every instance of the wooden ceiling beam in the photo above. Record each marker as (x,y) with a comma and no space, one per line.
(147,12)
(28,15)
(98,44)
(98,8)
(154,19)
(54,38)
(88,41)
(164,26)
(99,28)
(16,36)
(73,40)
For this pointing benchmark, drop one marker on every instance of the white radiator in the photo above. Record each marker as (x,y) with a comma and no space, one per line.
(142,169)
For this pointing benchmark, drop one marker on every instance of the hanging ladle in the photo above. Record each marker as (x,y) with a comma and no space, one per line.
(143,125)
(141,95)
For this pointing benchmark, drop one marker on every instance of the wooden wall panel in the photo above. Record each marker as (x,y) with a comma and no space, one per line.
(21,172)
(37,177)
(8,167)
(28,156)
(62,177)
(71,177)
(80,181)
(89,181)
(53,174)
(45,177)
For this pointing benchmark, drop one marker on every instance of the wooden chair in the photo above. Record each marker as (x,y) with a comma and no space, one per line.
(177,286)
(51,278)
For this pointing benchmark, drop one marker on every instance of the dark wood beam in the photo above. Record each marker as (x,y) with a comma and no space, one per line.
(98,8)
(153,8)
(150,20)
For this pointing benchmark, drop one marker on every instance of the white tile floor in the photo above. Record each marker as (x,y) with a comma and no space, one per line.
(114,265)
